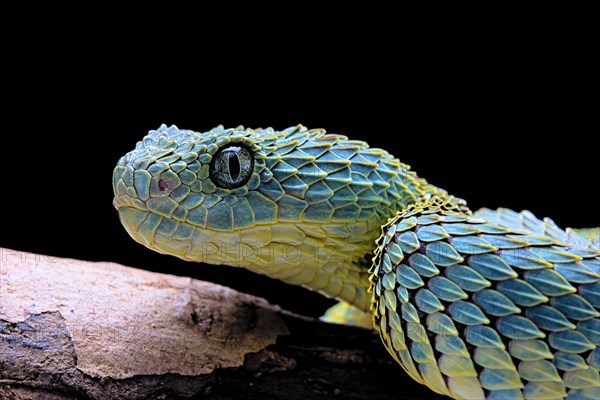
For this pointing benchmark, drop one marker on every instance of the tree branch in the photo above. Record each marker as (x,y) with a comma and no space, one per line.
(73,329)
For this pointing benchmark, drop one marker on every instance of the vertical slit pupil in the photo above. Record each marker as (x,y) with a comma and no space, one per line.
(231,167)
(234,165)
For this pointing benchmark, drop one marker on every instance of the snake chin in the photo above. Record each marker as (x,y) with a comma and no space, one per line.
(132,218)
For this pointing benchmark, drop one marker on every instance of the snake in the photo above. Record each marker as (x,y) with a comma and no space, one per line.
(492,304)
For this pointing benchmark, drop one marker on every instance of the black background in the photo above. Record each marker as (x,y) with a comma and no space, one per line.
(499,124)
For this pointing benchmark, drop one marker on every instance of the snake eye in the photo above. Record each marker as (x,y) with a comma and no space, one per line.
(231,167)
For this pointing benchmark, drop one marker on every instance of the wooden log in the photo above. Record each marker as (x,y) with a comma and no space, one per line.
(73,329)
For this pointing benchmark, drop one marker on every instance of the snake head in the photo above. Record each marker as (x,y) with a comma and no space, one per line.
(178,190)
(299,205)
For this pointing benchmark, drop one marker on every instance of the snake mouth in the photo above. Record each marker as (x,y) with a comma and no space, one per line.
(154,231)
(133,220)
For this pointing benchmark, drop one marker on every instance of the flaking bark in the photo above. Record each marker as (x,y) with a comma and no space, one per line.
(73,329)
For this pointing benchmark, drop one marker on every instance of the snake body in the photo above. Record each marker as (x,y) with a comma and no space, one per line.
(492,304)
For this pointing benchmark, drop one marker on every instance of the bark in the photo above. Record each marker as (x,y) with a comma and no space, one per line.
(73,329)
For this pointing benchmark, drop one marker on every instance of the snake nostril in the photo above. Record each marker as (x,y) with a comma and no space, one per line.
(163,185)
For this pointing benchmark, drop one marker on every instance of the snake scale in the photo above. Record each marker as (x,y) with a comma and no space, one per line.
(487,305)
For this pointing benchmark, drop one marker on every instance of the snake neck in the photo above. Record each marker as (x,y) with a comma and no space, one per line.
(410,193)
(344,275)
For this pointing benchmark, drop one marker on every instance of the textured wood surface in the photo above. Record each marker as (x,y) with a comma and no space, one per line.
(73,329)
